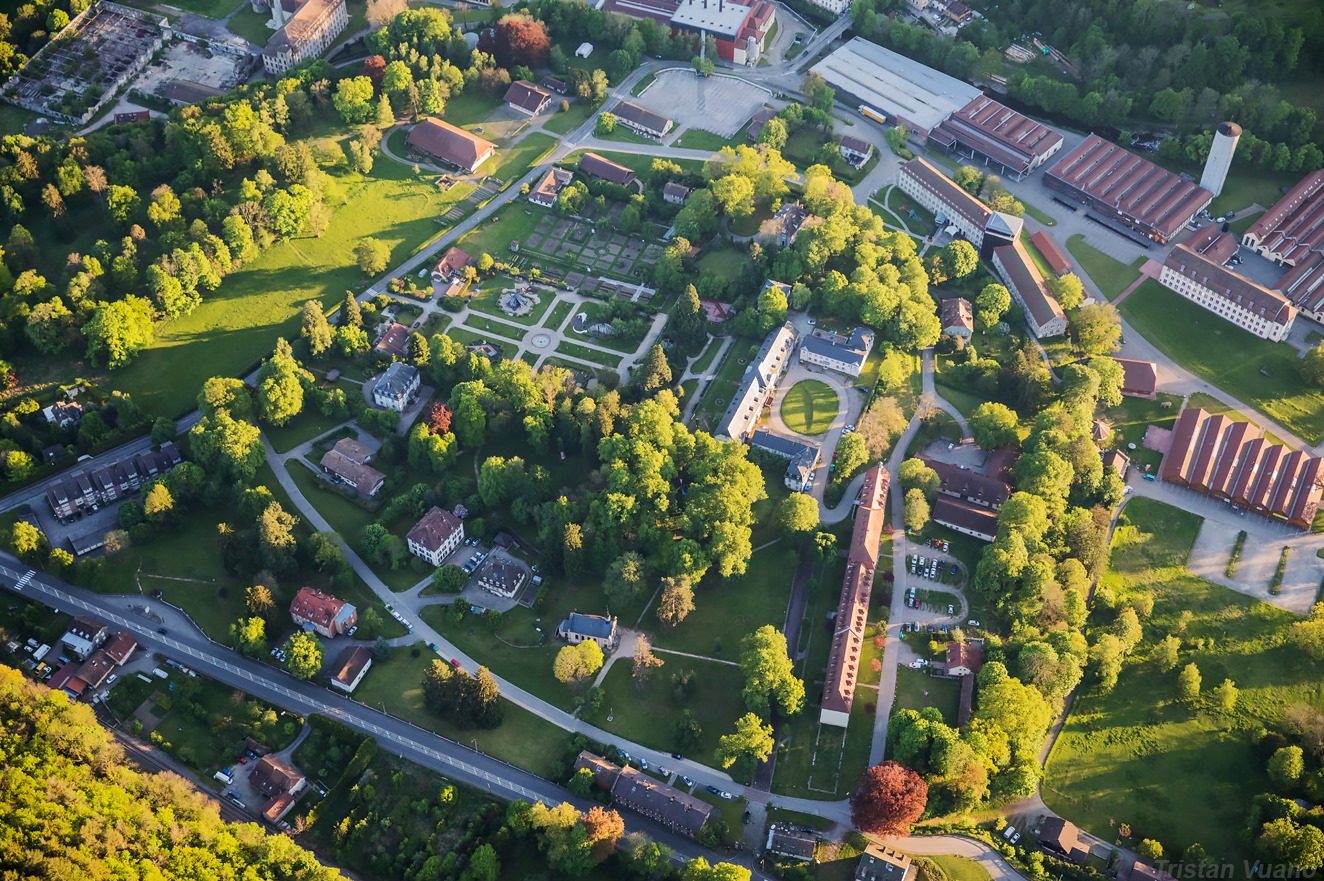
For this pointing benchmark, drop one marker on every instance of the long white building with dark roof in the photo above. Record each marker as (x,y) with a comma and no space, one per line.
(1196,271)
(758,385)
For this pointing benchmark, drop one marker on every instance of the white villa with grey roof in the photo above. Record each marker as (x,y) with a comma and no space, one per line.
(844,354)
(396,388)
(576,628)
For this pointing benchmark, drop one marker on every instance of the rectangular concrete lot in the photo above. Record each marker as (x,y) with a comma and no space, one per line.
(718,104)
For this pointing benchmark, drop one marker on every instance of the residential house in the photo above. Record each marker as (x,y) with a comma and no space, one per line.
(855,151)
(1139,378)
(958,317)
(642,120)
(449,144)
(675,193)
(842,353)
(322,613)
(803,457)
(347,463)
(789,841)
(717,312)
(1063,839)
(544,193)
(758,385)
(121,648)
(63,414)
(554,84)
(393,341)
(576,628)
(879,863)
(782,228)
(96,669)
(1118,461)
(758,122)
(959,13)
(451,266)
(966,518)
(350,668)
(501,577)
(963,659)
(526,98)
(65,678)
(281,782)
(593,165)
(435,536)
(85,635)
(106,484)
(396,388)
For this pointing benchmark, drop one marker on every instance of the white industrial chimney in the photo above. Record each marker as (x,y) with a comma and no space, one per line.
(1220,157)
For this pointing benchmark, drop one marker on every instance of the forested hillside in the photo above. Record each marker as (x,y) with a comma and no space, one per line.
(71,809)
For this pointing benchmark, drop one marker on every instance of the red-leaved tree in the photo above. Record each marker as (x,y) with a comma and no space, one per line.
(374,67)
(888,799)
(439,419)
(521,39)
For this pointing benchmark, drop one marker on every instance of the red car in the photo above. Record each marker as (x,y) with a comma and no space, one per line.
(455,663)
(243,760)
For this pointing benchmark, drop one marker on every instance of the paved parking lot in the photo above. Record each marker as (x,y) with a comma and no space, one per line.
(718,104)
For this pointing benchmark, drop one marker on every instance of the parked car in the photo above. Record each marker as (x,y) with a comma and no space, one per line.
(952,571)
(678,756)
(713,789)
(1009,832)
(951,610)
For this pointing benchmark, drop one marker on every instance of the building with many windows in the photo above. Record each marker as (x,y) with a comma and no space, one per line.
(305,29)
(1196,271)
(1043,314)
(844,353)
(979,224)
(435,536)
(758,385)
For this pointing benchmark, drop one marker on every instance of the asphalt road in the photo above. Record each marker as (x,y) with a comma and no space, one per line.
(185,643)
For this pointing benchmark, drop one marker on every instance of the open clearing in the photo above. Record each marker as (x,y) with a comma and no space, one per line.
(1178,773)
(809,407)
(1262,374)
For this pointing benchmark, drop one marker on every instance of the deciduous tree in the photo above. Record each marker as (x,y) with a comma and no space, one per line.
(304,655)
(575,663)
(888,799)
(676,601)
(797,514)
(770,680)
(752,738)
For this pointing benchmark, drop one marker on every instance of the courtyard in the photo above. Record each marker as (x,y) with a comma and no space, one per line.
(718,104)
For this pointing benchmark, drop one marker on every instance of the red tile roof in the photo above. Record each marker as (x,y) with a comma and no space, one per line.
(853,607)
(315,606)
(1056,258)
(1154,200)
(121,647)
(1138,377)
(452,263)
(963,654)
(393,341)
(598,166)
(351,664)
(439,138)
(1294,226)
(998,132)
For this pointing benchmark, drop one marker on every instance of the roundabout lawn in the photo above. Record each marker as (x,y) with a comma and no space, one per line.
(809,407)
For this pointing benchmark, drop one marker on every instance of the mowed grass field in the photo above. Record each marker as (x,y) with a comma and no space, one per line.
(1259,373)
(809,407)
(1110,274)
(1178,773)
(237,326)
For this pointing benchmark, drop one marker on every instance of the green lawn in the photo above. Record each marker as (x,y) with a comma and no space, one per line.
(1246,187)
(960,868)
(513,223)
(306,426)
(486,297)
(809,407)
(515,161)
(559,315)
(250,25)
(640,163)
(471,108)
(750,223)
(1178,773)
(575,350)
(1131,418)
(493,326)
(523,739)
(698,139)
(566,121)
(818,761)
(1259,373)
(726,610)
(625,136)
(727,262)
(648,715)
(1111,275)
(348,520)
(237,326)
(916,689)
(1243,223)
(645,82)
(1039,215)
